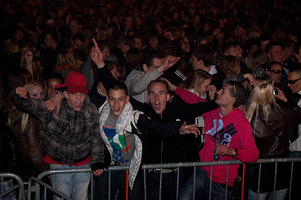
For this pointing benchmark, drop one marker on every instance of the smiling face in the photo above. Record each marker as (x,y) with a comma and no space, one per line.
(117,100)
(75,100)
(158,97)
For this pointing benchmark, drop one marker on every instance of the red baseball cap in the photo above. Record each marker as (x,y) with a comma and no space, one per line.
(76,82)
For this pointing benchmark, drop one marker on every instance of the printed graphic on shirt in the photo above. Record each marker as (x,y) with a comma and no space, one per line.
(119,143)
(224,135)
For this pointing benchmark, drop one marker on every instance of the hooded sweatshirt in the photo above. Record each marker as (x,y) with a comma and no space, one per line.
(234,131)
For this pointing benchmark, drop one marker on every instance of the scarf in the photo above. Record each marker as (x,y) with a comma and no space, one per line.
(125,120)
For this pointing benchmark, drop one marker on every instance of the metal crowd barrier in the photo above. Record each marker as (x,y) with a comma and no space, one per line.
(35,183)
(17,186)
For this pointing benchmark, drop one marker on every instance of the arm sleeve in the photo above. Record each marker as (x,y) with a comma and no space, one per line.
(106,77)
(34,106)
(96,143)
(156,129)
(137,82)
(296,118)
(96,98)
(192,110)
(296,145)
(248,151)
(187,96)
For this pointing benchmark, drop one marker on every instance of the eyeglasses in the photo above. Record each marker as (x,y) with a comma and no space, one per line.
(293,81)
(277,71)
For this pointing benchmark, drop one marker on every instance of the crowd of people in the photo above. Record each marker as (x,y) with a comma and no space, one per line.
(125,83)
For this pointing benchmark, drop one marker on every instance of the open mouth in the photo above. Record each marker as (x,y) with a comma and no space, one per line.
(157,105)
(78,105)
(116,109)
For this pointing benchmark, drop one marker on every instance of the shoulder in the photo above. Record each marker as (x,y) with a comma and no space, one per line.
(89,107)
(134,74)
(212,113)
(138,115)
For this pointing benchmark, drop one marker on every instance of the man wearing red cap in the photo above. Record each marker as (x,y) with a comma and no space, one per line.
(71,137)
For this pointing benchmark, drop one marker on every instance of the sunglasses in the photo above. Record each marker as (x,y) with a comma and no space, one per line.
(293,81)
(277,71)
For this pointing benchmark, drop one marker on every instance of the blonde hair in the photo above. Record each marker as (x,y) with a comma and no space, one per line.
(261,96)
(195,79)
(24,120)
(66,61)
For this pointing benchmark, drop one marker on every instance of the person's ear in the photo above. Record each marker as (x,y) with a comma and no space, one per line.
(65,94)
(127,98)
(145,68)
(232,100)
(168,97)
(200,62)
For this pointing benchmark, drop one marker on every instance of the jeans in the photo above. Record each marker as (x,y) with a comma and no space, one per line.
(280,195)
(74,185)
(169,185)
(118,182)
(202,183)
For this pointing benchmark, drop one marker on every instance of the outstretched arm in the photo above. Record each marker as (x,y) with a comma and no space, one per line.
(54,102)
(34,106)
(157,128)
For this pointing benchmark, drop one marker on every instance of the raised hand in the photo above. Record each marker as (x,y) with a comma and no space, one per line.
(96,55)
(212,91)
(171,86)
(169,62)
(280,95)
(21,92)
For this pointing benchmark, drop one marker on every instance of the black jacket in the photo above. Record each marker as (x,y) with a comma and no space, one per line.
(171,150)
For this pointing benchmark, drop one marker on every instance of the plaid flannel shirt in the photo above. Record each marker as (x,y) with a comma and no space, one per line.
(71,135)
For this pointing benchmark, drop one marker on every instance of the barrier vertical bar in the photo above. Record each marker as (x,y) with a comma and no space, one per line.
(127,185)
(243,181)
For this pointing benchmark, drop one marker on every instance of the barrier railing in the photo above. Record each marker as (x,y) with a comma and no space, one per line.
(17,187)
(35,183)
